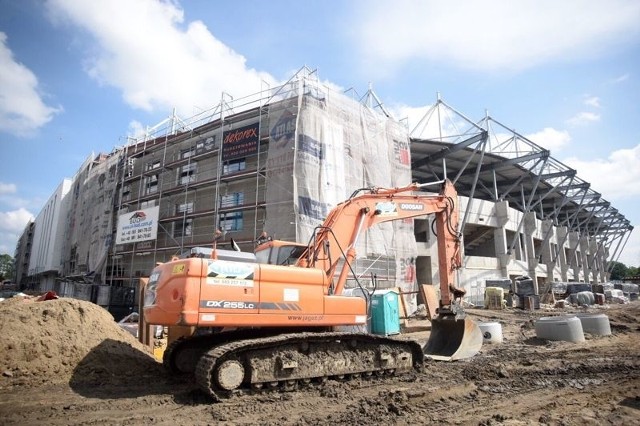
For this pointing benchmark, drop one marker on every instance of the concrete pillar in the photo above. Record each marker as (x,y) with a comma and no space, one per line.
(501,213)
(574,240)
(532,260)
(605,256)
(561,241)
(592,258)
(546,253)
(602,261)
(584,250)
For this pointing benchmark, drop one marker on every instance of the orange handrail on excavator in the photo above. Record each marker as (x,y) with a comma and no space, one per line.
(247,311)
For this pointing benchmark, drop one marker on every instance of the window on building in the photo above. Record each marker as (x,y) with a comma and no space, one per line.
(206,145)
(232,200)
(147,204)
(126,192)
(187,173)
(183,228)
(231,221)
(152,165)
(187,153)
(234,166)
(131,162)
(151,184)
(184,208)
(73,258)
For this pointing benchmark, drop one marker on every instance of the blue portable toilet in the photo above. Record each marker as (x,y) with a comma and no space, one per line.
(385,317)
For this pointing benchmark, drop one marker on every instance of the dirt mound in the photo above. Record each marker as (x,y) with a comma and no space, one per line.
(64,340)
(624,317)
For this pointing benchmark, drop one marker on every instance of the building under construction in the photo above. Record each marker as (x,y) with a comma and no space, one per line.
(279,160)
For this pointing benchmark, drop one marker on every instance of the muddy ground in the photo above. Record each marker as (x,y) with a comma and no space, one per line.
(65,362)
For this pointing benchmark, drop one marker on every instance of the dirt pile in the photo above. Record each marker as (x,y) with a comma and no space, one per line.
(64,340)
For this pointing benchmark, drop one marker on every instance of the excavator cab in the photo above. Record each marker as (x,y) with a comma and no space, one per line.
(277,252)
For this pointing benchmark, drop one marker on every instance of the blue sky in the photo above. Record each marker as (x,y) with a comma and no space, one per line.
(78,76)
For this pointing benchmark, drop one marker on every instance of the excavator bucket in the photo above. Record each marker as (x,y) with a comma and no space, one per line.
(452,339)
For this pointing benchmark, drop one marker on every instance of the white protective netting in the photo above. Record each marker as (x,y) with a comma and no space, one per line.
(90,217)
(323,146)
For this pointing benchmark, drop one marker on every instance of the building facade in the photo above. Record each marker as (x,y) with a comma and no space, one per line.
(45,259)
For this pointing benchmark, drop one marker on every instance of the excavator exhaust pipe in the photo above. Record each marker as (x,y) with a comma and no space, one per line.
(452,339)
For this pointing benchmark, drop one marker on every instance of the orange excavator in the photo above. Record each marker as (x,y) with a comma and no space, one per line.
(268,321)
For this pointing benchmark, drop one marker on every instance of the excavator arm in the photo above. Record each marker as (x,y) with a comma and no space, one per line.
(452,336)
(339,233)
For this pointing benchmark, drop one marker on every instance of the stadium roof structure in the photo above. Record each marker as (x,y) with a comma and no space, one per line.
(487,160)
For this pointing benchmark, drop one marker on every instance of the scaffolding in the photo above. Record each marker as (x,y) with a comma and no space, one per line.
(276,161)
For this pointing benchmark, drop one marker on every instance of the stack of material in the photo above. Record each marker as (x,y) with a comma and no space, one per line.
(573,288)
(630,291)
(559,289)
(504,283)
(600,288)
(494,298)
(585,298)
(523,287)
(615,296)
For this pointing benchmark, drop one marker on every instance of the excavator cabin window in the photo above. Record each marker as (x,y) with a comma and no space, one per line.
(286,254)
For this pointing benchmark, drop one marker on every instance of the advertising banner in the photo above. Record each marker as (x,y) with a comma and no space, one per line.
(241,142)
(140,225)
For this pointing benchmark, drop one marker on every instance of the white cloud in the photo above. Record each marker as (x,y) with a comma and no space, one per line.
(412,115)
(136,130)
(22,109)
(7,188)
(492,34)
(550,138)
(615,177)
(583,118)
(620,79)
(630,256)
(592,101)
(12,223)
(145,49)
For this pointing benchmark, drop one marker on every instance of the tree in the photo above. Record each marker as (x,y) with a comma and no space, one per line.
(6,267)
(618,270)
(633,271)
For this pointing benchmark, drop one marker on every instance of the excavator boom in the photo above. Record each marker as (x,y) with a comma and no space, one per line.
(452,336)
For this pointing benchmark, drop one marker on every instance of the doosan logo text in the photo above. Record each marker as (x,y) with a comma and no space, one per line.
(411,206)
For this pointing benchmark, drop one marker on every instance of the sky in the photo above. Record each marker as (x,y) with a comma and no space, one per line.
(78,77)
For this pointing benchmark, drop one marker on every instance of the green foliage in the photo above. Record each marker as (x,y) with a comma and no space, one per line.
(633,271)
(6,267)
(618,270)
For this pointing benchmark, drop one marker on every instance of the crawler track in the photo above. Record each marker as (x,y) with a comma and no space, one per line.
(182,355)
(285,361)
